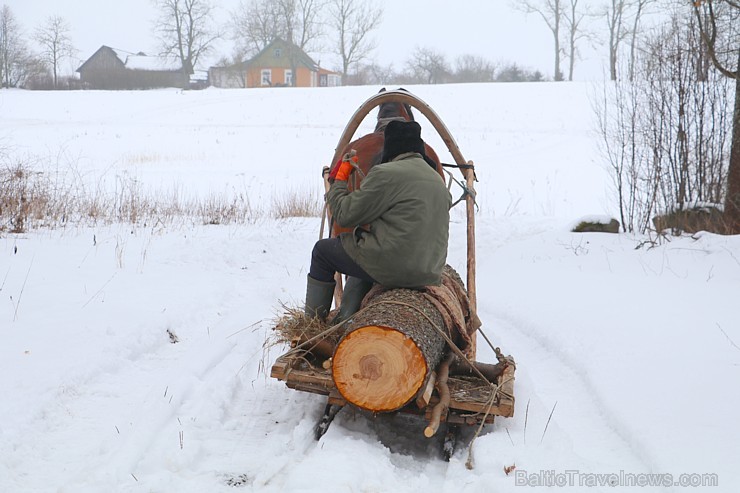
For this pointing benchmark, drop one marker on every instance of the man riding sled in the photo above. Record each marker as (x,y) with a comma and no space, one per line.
(400,219)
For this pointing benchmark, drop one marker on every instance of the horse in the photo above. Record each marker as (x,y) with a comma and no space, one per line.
(369,147)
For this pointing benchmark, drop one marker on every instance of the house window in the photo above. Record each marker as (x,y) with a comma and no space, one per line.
(288,77)
(266,77)
(278,52)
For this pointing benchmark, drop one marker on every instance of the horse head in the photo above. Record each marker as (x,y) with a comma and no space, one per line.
(393,111)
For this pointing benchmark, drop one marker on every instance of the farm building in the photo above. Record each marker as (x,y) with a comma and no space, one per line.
(279,64)
(110,68)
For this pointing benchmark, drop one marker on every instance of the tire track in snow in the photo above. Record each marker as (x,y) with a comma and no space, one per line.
(152,404)
(180,392)
(553,376)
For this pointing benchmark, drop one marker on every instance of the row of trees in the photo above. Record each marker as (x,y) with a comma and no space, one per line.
(428,66)
(672,132)
(19,65)
(307,23)
(719,26)
(575,22)
(340,27)
(188,31)
(343,28)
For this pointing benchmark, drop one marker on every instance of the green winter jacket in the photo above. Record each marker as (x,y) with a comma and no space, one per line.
(401,216)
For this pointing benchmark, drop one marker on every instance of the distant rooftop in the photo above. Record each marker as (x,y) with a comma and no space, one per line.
(142,61)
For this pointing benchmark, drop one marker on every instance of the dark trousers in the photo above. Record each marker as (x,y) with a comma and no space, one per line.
(328,257)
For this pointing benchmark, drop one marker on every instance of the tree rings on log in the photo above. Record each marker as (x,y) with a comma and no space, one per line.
(389,350)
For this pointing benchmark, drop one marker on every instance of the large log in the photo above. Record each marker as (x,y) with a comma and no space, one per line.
(389,351)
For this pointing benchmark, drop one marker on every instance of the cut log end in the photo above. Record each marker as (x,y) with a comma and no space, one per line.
(378,368)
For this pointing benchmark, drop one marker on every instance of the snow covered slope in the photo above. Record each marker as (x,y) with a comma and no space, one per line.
(634,352)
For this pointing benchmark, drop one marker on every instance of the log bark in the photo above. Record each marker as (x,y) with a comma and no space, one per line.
(384,359)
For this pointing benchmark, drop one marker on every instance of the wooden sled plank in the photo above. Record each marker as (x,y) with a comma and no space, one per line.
(469,396)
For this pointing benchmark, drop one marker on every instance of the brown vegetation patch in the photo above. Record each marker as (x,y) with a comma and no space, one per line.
(701,218)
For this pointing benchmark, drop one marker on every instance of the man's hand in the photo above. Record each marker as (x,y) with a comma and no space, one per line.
(349,161)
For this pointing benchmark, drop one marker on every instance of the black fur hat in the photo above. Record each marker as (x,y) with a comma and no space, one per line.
(401,137)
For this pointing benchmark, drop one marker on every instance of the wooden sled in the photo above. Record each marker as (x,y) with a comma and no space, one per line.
(469,396)
(454,397)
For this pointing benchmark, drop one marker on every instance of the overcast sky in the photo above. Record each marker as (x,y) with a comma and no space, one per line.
(488,28)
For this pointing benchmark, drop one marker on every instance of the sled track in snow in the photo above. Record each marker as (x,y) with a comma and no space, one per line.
(555,377)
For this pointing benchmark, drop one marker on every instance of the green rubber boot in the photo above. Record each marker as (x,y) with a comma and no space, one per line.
(354,292)
(319,296)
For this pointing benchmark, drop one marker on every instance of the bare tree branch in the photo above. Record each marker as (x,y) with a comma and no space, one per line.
(706,18)
(471,68)
(13,52)
(56,44)
(186,30)
(551,11)
(256,23)
(574,14)
(352,21)
(623,19)
(428,66)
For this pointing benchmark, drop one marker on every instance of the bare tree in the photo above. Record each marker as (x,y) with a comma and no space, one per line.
(623,19)
(551,11)
(352,21)
(12,47)
(614,13)
(637,10)
(573,15)
(664,135)
(186,28)
(303,25)
(471,68)
(373,73)
(55,42)
(256,23)
(722,40)
(428,66)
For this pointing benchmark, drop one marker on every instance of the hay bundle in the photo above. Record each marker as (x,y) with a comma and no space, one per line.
(313,334)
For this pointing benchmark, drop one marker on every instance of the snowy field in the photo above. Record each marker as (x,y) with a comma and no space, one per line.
(635,352)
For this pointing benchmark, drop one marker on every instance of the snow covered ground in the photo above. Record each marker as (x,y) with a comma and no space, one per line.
(634,351)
